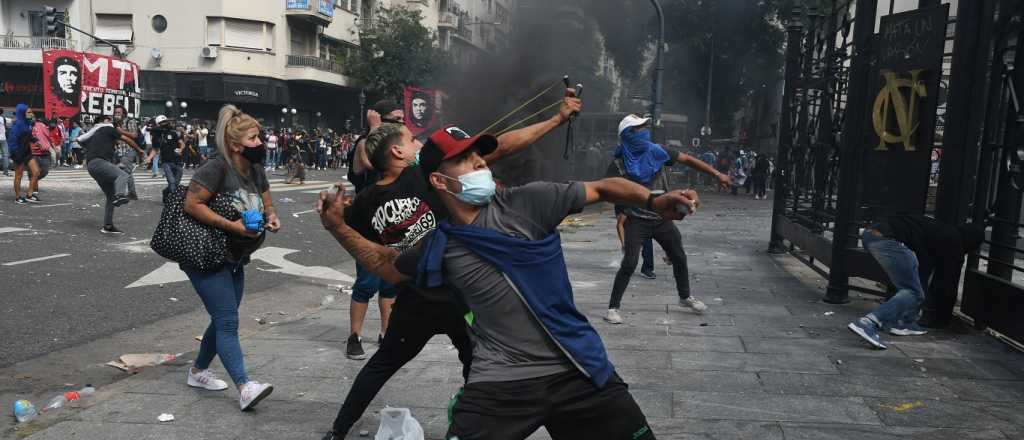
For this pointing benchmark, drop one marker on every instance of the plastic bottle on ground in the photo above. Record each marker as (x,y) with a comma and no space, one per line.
(24,411)
(70,396)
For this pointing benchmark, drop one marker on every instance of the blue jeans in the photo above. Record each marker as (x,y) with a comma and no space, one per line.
(647,254)
(156,164)
(321,157)
(900,264)
(368,284)
(4,159)
(221,292)
(273,156)
(172,172)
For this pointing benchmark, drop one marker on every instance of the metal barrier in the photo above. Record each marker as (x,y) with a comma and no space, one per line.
(316,63)
(29,42)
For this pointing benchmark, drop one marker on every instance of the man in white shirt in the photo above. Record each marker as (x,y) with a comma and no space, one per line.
(204,149)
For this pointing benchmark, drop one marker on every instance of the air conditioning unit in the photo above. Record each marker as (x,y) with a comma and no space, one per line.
(209,52)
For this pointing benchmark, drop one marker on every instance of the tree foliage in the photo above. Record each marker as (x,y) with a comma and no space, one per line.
(396,51)
(745,36)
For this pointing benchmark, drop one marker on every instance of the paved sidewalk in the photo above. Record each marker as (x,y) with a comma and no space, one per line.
(768,360)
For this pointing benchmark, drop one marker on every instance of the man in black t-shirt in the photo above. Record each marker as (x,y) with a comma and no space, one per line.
(396,211)
(167,141)
(113,180)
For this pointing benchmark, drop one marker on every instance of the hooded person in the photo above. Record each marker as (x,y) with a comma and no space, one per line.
(640,160)
(19,143)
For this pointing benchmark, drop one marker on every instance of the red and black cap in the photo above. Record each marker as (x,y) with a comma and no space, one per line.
(450,141)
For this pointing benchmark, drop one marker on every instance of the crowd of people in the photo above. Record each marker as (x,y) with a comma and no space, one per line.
(449,250)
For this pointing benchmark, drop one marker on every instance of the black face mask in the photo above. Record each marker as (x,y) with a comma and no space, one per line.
(255,155)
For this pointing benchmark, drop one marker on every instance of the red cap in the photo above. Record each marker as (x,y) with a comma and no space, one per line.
(451,141)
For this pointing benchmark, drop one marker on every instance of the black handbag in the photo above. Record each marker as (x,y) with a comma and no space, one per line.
(181,238)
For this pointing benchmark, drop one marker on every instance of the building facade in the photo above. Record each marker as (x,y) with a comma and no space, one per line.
(267,56)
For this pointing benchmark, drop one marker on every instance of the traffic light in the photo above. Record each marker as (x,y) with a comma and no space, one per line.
(51,20)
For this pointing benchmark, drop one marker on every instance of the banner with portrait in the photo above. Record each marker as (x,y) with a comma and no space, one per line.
(88,85)
(421,109)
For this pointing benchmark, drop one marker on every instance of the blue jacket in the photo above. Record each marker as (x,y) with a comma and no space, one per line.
(537,271)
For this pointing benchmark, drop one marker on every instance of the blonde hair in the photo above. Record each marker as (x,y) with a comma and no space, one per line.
(232,124)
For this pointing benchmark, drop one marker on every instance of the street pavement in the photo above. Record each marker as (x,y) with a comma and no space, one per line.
(767,361)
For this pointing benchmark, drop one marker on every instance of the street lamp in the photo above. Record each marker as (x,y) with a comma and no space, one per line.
(362,103)
(659,65)
(184,107)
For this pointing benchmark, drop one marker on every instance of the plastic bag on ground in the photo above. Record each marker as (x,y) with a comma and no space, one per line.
(398,424)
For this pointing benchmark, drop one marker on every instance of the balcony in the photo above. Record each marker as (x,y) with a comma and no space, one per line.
(318,12)
(311,68)
(27,49)
(447,20)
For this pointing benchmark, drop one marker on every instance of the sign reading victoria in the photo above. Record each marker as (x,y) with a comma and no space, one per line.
(903,112)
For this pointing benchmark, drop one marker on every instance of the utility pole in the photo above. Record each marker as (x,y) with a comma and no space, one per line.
(659,68)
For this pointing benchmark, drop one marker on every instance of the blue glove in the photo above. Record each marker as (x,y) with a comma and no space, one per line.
(253,220)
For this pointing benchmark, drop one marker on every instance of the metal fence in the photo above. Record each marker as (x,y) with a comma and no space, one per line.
(316,63)
(30,42)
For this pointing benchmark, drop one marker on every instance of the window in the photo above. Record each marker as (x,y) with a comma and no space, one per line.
(116,28)
(238,33)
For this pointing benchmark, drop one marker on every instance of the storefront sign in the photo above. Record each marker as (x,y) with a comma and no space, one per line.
(88,84)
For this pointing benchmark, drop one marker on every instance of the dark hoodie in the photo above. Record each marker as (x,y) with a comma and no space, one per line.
(20,135)
(940,247)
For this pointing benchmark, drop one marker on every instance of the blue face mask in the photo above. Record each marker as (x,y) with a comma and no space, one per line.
(415,160)
(477,187)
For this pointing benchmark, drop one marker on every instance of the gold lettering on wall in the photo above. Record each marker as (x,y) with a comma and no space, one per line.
(891,98)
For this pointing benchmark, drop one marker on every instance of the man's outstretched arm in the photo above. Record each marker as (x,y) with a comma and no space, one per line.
(517,140)
(372,256)
(622,191)
(704,167)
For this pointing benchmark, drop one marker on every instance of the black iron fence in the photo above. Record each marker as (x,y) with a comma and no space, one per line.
(845,160)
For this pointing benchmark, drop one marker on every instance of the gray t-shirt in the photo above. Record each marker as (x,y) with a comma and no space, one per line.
(508,342)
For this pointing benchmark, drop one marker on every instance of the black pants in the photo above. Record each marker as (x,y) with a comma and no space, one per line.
(414,321)
(760,185)
(635,232)
(568,405)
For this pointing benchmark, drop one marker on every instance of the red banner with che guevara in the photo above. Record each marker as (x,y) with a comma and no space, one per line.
(88,85)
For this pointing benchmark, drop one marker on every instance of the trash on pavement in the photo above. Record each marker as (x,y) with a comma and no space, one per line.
(904,407)
(830,313)
(364,433)
(70,396)
(24,411)
(165,417)
(128,362)
(398,423)
(173,299)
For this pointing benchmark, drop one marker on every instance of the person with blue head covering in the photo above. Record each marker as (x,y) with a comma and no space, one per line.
(19,143)
(639,159)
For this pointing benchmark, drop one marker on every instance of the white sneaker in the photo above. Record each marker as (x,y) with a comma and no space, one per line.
(253,393)
(613,317)
(693,303)
(206,380)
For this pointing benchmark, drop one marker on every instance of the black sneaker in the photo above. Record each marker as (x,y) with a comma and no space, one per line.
(111,229)
(649,275)
(354,348)
(331,436)
(33,198)
(120,199)
(21,201)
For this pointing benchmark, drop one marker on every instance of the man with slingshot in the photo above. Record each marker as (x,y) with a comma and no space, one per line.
(397,211)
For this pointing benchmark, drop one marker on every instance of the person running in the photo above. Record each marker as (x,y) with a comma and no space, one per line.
(100,157)
(21,139)
(168,145)
(644,162)
(912,250)
(536,360)
(237,172)
(396,211)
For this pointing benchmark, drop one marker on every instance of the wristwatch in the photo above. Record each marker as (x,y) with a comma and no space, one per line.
(650,201)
